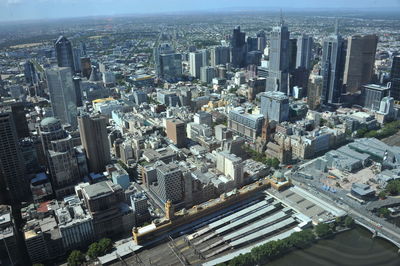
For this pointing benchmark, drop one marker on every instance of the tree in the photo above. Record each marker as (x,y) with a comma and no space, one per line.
(382,194)
(94,250)
(393,187)
(76,258)
(275,163)
(323,230)
(105,245)
(384,212)
(349,222)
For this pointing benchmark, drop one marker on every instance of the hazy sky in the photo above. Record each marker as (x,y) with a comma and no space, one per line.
(44,9)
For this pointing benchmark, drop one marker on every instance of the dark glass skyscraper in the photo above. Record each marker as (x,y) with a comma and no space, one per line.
(13,186)
(64,54)
(333,59)
(238,48)
(395,78)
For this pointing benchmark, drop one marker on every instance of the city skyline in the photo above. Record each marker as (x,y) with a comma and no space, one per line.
(15,10)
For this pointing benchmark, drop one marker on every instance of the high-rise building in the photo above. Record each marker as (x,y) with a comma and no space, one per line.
(94,137)
(205,57)
(333,59)
(292,54)
(62,94)
(314,91)
(231,166)
(395,78)
(176,131)
(220,55)
(21,124)
(372,96)
(58,147)
(252,44)
(360,59)
(64,54)
(77,53)
(86,67)
(238,48)
(256,85)
(195,63)
(304,51)
(168,63)
(275,106)
(14,188)
(30,73)
(170,182)
(207,73)
(278,70)
(261,41)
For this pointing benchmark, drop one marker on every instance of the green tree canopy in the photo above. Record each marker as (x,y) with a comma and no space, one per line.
(76,258)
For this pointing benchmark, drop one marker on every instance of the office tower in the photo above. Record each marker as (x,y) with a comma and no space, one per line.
(58,147)
(244,124)
(62,94)
(168,63)
(292,54)
(261,41)
(278,70)
(395,78)
(314,91)
(78,91)
(220,55)
(170,182)
(9,250)
(372,96)
(86,67)
(30,73)
(360,60)
(19,115)
(64,54)
(231,166)
(140,97)
(195,63)
(252,44)
(238,48)
(205,57)
(94,137)
(333,58)
(275,106)
(13,185)
(304,52)
(256,85)
(207,73)
(253,58)
(176,131)
(78,54)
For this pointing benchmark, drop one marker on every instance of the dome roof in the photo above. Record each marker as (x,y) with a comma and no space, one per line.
(49,121)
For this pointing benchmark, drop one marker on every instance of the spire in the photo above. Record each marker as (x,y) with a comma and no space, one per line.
(282,21)
(336,26)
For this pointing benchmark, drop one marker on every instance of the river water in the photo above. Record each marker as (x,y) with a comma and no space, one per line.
(354,247)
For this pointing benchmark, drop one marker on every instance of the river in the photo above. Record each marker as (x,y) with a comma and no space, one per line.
(354,247)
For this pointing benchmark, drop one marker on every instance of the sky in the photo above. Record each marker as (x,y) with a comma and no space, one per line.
(11,10)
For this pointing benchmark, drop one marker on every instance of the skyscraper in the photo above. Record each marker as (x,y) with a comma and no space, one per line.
(62,94)
(360,59)
(195,62)
(314,91)
(292,54)
(207,73)
(58,147)
(13,185)
(168,63)
(170,182)
(30,73)
(220,55)
(333,58)
(304,51)
(261,41)
(238,48)
(64,54)
(94,137)
(278,70)
(395,78)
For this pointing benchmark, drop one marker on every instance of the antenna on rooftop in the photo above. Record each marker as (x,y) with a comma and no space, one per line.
(336,26)
(282,21)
